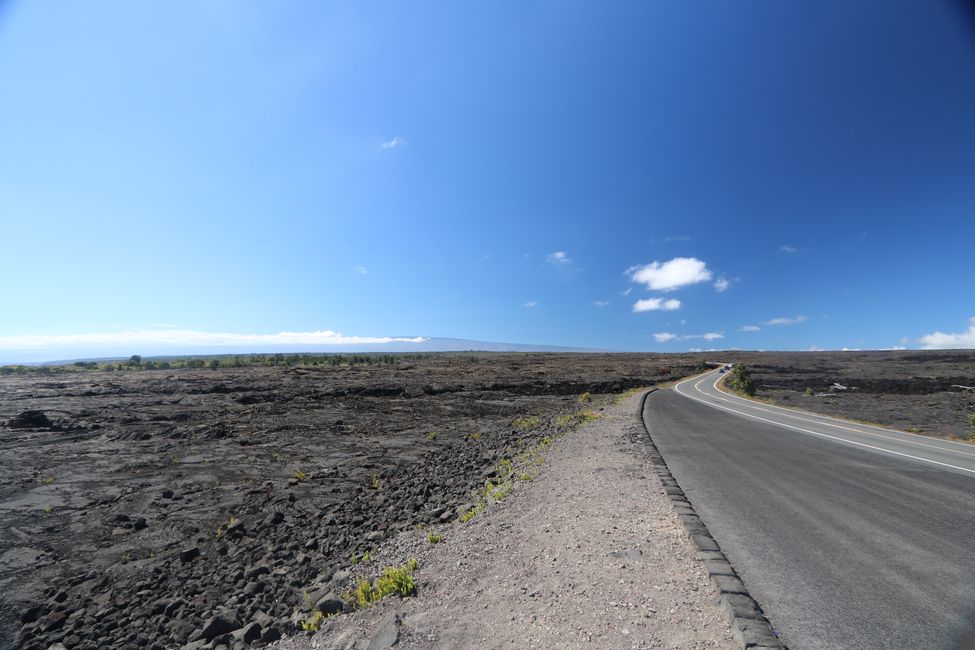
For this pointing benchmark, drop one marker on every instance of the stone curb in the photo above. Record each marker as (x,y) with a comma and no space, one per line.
(748,624)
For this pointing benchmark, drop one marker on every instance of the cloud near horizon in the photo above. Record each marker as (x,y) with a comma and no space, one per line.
(663,337)
(655,304)
(941,341)
(671,275)
(185,337)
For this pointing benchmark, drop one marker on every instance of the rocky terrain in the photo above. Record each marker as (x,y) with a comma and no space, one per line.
(930,392)
(159,508)
(197,507)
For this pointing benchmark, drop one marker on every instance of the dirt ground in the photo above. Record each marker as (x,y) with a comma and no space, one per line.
(588,554)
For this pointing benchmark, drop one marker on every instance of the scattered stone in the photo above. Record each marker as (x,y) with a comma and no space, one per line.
(221,623)
(274,519)
(189,554)
(30,420)
(330,603)
(386,635)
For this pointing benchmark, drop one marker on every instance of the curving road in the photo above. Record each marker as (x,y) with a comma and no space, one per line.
(849,536)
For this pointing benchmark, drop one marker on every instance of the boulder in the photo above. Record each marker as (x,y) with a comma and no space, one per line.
(30,420)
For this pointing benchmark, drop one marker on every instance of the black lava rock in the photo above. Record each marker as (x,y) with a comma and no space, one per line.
(31,420)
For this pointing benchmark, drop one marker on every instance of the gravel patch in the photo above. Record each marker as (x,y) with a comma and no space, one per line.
(588,554)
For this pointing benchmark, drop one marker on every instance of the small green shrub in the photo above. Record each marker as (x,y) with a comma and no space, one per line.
(585,398)
(432,435)
(505,468)
(313,623)
(527,424)
(474,437)
(810,392)
(375,483)
(576,419)
(222,530)
(394,581)
(299,476)
(434,538)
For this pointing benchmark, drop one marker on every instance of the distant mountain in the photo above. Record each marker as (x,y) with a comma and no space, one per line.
(54,356)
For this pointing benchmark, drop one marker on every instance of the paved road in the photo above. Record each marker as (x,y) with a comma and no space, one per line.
(848,536)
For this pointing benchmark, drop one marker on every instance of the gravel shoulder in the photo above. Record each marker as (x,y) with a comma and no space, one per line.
(588,554)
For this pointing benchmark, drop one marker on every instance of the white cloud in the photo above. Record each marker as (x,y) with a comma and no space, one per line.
(393,144)
(600,303)
(558,258)
(710,336)
(361,270)
(673,274)
(530,304)
(786,321)
(785,248)
(721,284)
(677,238)
(663,337)
(942,341)
(626,291)
(749,328)
(655,304)
(183,337)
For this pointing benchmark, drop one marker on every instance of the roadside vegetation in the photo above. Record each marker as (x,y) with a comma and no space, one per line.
(741,380)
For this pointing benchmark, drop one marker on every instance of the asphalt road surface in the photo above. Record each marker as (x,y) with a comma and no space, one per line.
(849,536)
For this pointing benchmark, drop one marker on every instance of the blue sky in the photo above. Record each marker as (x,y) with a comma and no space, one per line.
(520,172)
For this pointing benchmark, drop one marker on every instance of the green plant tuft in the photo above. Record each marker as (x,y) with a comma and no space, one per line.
(434,538)
(527,424)
(313,623)
(394,581)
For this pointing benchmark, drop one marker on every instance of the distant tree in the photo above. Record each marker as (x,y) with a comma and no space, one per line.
(214,363)
(741,379)
(135,359)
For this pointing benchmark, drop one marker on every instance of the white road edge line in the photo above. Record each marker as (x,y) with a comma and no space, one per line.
(849,426)
(827,417)
(816,433)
